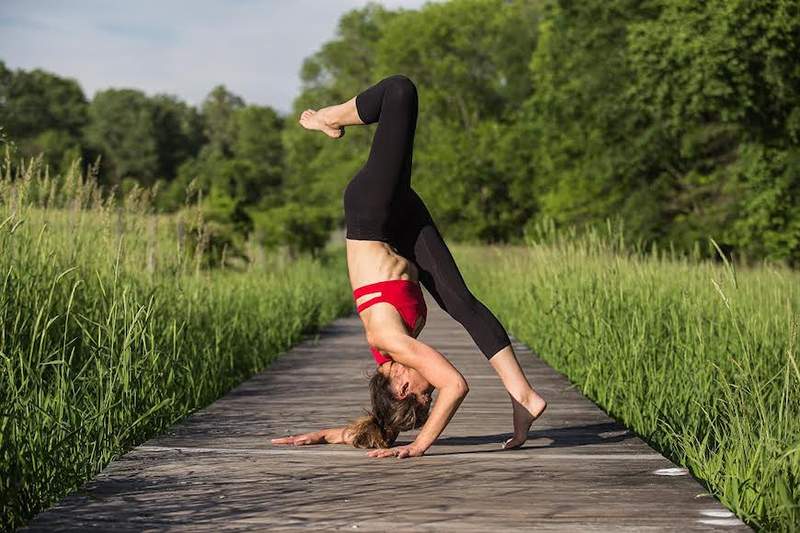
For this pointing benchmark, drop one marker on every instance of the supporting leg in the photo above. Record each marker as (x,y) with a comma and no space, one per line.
(440,275)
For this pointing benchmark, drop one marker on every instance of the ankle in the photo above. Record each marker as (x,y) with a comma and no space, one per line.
(329,118)
(528,397)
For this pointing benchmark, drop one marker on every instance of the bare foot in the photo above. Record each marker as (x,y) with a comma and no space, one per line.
(524,415)
(312,120)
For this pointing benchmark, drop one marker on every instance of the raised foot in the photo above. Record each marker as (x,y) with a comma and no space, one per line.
(525,414)
(312,120)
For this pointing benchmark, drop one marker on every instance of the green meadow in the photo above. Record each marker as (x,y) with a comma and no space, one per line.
(112,329)
(698,357)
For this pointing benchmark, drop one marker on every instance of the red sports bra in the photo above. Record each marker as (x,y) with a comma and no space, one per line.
(405,295)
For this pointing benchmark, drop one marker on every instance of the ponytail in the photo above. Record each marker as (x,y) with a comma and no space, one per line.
(389,416)
(369,433)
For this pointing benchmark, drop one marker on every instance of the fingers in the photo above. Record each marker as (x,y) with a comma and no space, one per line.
(383,452)
(297,440)
(401,452)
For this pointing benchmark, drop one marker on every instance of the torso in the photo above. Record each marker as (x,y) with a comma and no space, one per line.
(374,261)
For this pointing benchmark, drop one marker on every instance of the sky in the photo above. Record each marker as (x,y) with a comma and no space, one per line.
(179,47)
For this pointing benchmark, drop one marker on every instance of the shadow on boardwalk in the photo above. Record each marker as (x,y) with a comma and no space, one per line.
(580,470)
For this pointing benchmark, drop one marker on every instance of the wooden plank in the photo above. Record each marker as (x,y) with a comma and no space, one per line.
(217,470)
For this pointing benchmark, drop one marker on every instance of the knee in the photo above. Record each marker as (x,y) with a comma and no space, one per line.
(400,87)
(463,306)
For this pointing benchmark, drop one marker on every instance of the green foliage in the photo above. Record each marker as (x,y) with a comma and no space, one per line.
(300,228)
(680,117)
(218,109)
(469,62)
(178,131)
(595,157)
(768,224)
(42,112)
(122,126)
(725,90)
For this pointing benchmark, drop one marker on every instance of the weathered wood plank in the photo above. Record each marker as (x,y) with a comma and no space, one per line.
(217,470)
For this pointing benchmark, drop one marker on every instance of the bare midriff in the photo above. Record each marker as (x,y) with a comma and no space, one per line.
(373,261)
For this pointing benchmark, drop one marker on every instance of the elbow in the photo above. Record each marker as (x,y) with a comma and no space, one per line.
(461,388)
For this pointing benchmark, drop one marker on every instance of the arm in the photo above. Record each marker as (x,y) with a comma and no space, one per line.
(323,436)
(451,386)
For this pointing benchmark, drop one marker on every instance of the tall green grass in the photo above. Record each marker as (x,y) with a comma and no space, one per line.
(111,330)
(697,357)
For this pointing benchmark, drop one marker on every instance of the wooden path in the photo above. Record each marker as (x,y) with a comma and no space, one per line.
(580,471)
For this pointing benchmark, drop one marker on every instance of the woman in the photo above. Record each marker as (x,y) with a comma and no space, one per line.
(392,246)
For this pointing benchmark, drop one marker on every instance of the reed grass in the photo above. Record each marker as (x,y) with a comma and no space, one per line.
(700,358)
(111,330)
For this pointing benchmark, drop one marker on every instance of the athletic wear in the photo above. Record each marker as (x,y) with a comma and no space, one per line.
(380,205)
(405,296)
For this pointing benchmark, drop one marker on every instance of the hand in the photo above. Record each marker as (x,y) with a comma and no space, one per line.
(401,452)
(301,440)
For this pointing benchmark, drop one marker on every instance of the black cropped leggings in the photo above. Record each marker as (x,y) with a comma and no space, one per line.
(381,205)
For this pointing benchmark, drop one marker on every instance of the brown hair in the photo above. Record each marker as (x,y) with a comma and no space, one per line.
(389,416)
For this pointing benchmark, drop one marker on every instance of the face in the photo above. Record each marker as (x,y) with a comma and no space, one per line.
(405,381)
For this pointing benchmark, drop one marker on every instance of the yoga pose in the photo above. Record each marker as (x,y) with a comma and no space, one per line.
(393,245)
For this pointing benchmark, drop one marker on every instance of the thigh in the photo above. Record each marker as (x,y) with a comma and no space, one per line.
(420,241)
(439,273)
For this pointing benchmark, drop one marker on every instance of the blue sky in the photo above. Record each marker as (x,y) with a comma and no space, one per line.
(181,47)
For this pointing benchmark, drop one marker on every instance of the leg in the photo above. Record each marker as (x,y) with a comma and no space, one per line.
(440,275)
(526,403)
(330,120)
(371,198)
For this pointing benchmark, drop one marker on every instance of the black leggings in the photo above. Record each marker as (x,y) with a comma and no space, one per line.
(381,205)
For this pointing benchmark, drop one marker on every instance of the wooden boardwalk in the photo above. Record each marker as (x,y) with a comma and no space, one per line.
(580,471)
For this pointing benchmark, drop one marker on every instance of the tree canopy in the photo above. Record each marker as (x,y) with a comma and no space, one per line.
(681,118)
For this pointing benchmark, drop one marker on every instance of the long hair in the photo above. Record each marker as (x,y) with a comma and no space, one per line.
(389,416)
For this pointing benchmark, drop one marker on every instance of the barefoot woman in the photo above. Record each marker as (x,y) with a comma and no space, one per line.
(392,244)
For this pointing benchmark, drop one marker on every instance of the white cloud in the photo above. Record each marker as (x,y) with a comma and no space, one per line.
(254,47)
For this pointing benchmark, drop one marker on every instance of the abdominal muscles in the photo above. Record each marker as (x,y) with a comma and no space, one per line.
(374,261)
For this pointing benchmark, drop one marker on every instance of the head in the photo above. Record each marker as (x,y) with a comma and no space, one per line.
(401,400)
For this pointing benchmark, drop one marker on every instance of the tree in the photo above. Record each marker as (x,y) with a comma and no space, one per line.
(258,151)
(726,89)
(217,110)
(179,133)
(596,157)
(42,111)
(123,127)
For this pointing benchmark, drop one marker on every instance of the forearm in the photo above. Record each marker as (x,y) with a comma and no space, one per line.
(447,402)
(336,436)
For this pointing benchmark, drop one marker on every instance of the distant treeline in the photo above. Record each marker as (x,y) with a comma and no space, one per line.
(681,118)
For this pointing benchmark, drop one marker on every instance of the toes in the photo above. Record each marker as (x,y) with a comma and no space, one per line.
(512,443)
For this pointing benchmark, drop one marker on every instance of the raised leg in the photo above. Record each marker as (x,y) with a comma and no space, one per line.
(371,197)
(366,108)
